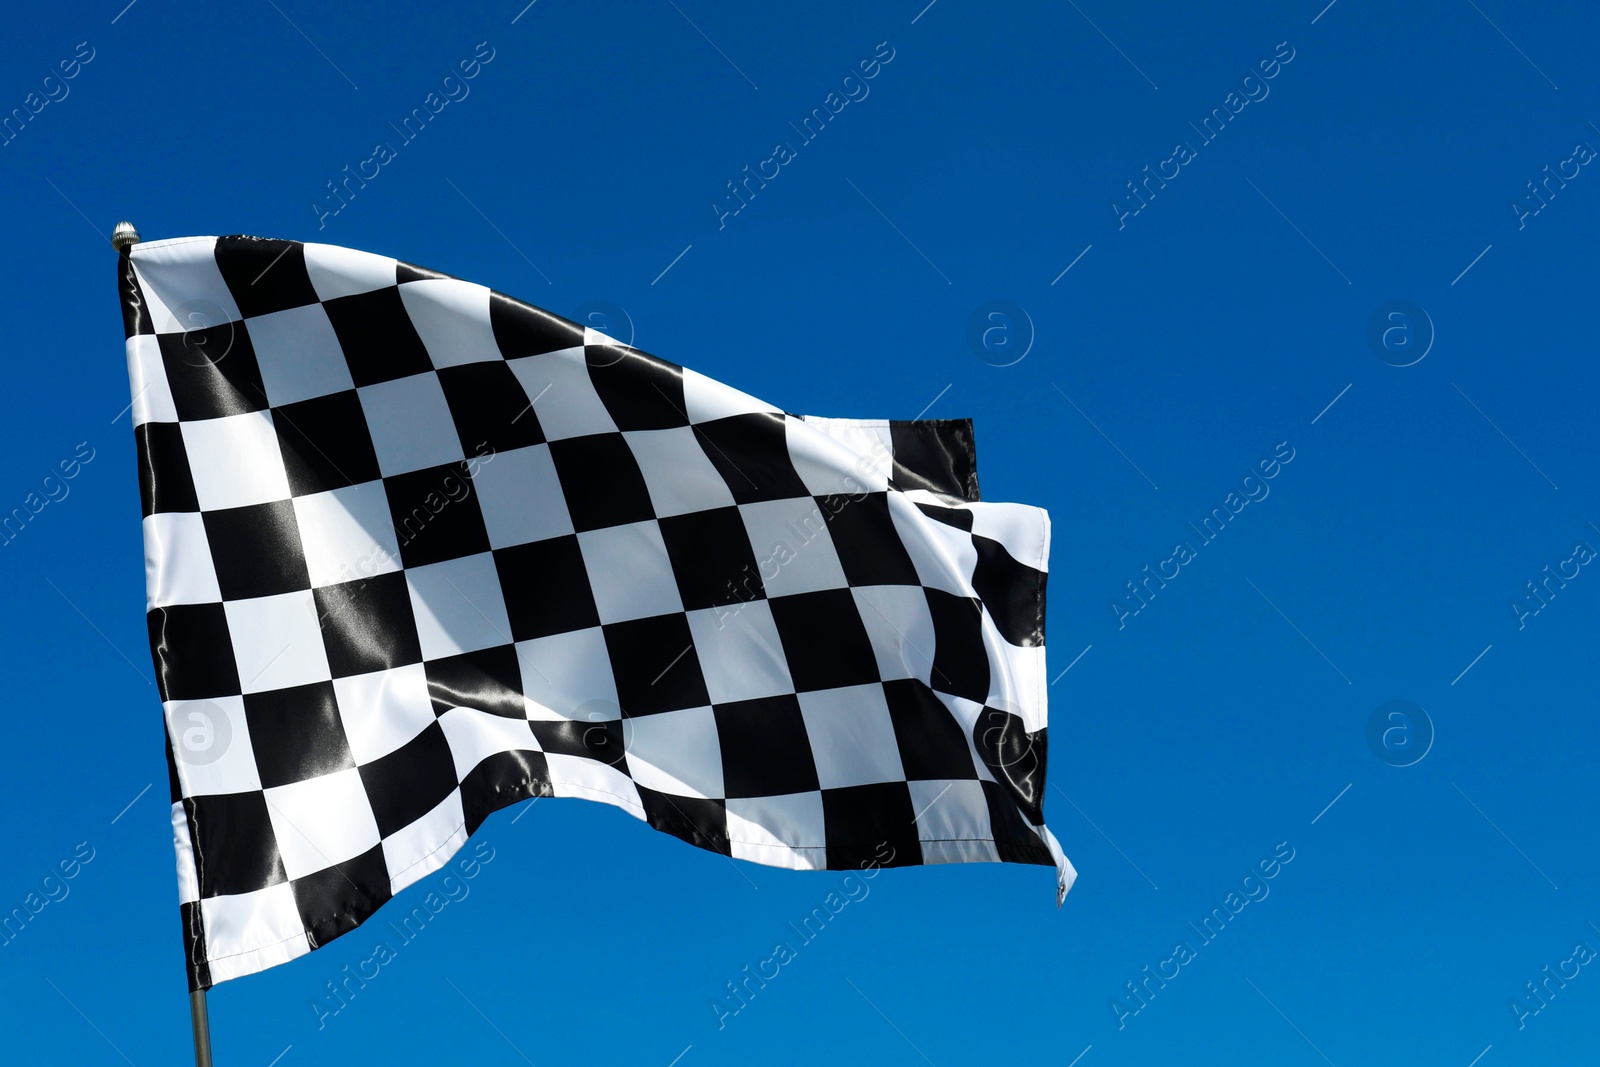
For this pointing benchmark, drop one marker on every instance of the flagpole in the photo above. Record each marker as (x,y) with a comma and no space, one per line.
(202,1028)
(123,238)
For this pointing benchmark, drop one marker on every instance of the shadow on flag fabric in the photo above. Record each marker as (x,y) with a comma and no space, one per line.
(416,551)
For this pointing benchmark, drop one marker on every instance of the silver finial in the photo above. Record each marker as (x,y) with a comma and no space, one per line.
(124,236)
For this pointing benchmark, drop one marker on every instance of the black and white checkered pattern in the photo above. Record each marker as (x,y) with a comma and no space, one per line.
(417,551)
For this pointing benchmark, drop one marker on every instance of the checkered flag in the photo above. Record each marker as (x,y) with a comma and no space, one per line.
(416,551)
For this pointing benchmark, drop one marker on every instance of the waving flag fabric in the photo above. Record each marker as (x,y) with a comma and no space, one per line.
(417,551)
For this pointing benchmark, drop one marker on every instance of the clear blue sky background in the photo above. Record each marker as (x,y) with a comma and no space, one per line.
(1217,322)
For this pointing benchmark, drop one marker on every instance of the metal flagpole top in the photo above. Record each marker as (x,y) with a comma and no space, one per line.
(124,236)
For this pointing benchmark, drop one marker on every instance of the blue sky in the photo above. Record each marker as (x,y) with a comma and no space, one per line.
(1167,354)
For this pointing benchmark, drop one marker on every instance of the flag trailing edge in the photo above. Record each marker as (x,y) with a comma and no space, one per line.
(416,551)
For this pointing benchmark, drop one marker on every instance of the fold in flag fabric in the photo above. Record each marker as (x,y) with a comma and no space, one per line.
(416,551)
